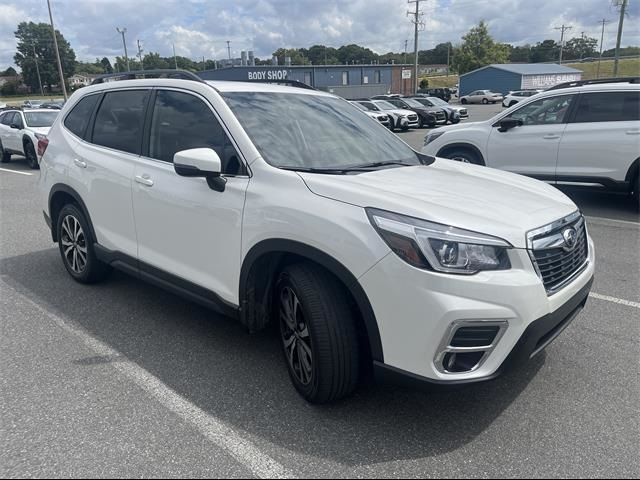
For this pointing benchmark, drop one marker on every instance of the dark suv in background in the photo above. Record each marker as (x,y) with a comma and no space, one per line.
(427,116)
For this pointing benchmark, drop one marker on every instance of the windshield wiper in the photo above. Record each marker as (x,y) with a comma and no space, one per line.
(326,171)
(368,166)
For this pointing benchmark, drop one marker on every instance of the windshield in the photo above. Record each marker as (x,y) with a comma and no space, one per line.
(413,103)
(301,131)
(384,105)
(368,106)
(437,101)
(360,106)
(40,119)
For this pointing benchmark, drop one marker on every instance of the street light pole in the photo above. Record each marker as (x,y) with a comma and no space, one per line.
(124,42)
(55,43)
(35,57)
(604,21)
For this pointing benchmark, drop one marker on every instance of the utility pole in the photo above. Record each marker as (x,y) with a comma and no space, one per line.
(623,8)
(55,43)
(582,46)
(563,29)
(229,48)
(448,56)
(406,43)
(124,42)
(140,55)
(417,23)
(175,59)
(604,21)
(35,57)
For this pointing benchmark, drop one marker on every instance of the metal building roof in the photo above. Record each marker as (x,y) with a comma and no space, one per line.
(530,68)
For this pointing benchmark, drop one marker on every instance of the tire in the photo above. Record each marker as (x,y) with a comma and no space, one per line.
(464,101)
(78,245)
(392,124)
(5,156)
(455,121)
(512,103)
(323,326)
(635,193)
(420,122)
(485,101)
(465,155)
(30,153)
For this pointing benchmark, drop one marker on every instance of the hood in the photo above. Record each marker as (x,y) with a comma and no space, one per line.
(400,111)
(40,130)
(475,198)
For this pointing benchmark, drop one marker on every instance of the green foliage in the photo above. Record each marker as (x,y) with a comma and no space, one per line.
(9,72)
(10,88)
(546,51)
(106,65)
(424,84)
(579,47)
(478,49)
(350,54)
(37,36)
(435,56)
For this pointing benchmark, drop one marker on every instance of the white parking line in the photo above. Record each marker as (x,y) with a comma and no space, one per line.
(247,454)
(15,171)
(607,298)
(611,220)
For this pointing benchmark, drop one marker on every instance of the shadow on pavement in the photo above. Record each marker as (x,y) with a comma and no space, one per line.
(242,380)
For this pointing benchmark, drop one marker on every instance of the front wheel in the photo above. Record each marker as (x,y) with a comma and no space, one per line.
(30,153)
(5,156)
(318,333)
(76,247)
(464,101)
(485,101)
(464,155)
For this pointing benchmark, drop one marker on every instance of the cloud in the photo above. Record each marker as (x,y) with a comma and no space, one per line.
(202,27)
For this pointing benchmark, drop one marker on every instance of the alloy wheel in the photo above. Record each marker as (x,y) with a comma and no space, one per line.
(74,244)
(295,336)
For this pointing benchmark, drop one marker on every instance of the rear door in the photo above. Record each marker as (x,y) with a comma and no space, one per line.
(603,138)
(12,136)
(531,149)
(184,227)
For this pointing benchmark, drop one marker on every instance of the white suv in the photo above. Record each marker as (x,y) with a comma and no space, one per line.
(277,204)
(24,132)
(587,135)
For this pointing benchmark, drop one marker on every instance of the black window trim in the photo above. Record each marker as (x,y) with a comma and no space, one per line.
(91,117)
(147,130)
(574,106)
(570,113)
(92,122)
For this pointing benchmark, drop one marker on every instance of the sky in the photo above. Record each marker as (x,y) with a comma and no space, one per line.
(201,27)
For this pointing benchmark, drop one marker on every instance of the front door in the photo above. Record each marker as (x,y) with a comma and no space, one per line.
(531,149)
(185,228)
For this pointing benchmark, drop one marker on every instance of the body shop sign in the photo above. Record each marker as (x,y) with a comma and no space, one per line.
(531,82)
(267,75)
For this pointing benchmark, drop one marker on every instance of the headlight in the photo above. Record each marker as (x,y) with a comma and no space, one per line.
(442,248)
(431,137)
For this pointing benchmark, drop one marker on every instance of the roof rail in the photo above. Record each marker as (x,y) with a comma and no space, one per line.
(580,83)
(142,74)
(289,83)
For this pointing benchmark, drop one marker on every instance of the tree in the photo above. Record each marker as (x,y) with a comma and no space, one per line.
(94,68)
(294,53)
(546,51)
(10,87)
(478,49)
(435,56)
(349,54)
(106,65)
(579,48)
(321,55)
(37,36)
(9,72)
(520,54)
(153,61)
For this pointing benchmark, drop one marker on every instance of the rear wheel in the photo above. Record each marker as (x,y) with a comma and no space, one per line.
(464,155)
(463,101)
(30,153)
(5,156)
(512,103)
(76,247)
(318,333)
(485,101)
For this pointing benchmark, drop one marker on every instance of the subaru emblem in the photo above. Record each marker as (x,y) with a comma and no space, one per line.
(570,236)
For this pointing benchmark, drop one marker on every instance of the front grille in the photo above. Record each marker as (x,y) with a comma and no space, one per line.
(557,261)
(440,116)
(413,118)
(463,112)
(382,118)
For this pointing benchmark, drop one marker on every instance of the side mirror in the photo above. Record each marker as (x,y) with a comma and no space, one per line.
(15,126)
(509,123)
(200,162)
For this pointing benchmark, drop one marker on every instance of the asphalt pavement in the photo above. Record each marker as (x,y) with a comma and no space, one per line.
(124,379)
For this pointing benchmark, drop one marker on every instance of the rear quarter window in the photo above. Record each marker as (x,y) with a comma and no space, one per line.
(120,120)
(608,107)
(78,119)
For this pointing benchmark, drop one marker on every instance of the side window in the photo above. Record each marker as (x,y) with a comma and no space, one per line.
(7,119)
(120,120)
(18,120)
(546,111)
(608,107)
(78,118)
(182,121)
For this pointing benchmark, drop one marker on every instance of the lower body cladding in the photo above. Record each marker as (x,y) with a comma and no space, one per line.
(456,329)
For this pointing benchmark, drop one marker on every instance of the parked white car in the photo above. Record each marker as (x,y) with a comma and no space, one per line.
(514,97)
(22,131)
(280,204)
(401,118)
(587,135)
(378,116)
(481,96)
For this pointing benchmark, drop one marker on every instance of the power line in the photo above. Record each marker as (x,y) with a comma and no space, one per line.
(55,41)
(140,55)
(229,48)
(604,21)
(563,29)
(418,24)
(124,42)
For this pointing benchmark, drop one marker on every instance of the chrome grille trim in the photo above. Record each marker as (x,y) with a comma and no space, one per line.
(557,264)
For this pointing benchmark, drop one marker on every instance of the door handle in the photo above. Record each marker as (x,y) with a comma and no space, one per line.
(80,163)
(144,180)
(633,132)
(551,136)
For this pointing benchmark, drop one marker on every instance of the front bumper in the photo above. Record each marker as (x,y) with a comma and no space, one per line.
(415,309)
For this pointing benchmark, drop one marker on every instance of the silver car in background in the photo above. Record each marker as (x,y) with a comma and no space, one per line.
(482,96)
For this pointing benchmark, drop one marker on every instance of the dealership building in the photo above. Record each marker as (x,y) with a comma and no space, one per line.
(348,81)
(504,78)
